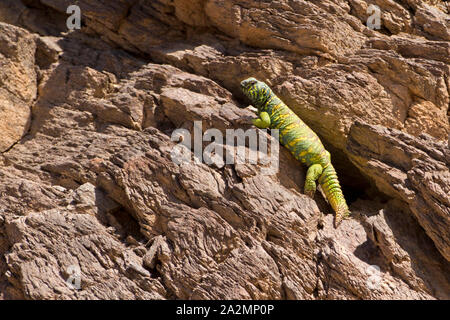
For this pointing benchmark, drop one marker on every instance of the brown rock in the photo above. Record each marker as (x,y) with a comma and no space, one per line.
(17,81)
(414,170)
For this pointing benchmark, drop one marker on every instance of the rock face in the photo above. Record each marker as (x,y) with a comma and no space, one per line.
(414,170)
(92,205)
(17,83)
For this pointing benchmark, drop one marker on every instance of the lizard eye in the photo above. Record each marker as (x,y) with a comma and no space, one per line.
(248,83)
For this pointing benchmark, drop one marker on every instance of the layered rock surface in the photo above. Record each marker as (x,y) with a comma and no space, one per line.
(88,182)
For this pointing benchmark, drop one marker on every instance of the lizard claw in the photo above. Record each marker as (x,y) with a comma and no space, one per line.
(244,120)
(309,193)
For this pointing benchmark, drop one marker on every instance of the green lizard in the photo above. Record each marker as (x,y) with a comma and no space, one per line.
(301,141)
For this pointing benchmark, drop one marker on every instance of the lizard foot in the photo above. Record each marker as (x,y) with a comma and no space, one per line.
(245,121)
(310,193)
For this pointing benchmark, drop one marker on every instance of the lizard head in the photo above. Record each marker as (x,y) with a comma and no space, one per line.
(257,91)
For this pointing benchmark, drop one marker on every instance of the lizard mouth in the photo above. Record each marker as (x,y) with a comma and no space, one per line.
(244,85)
(248,83)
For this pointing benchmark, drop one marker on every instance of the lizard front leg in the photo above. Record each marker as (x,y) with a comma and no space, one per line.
(263,121)
(312,175)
